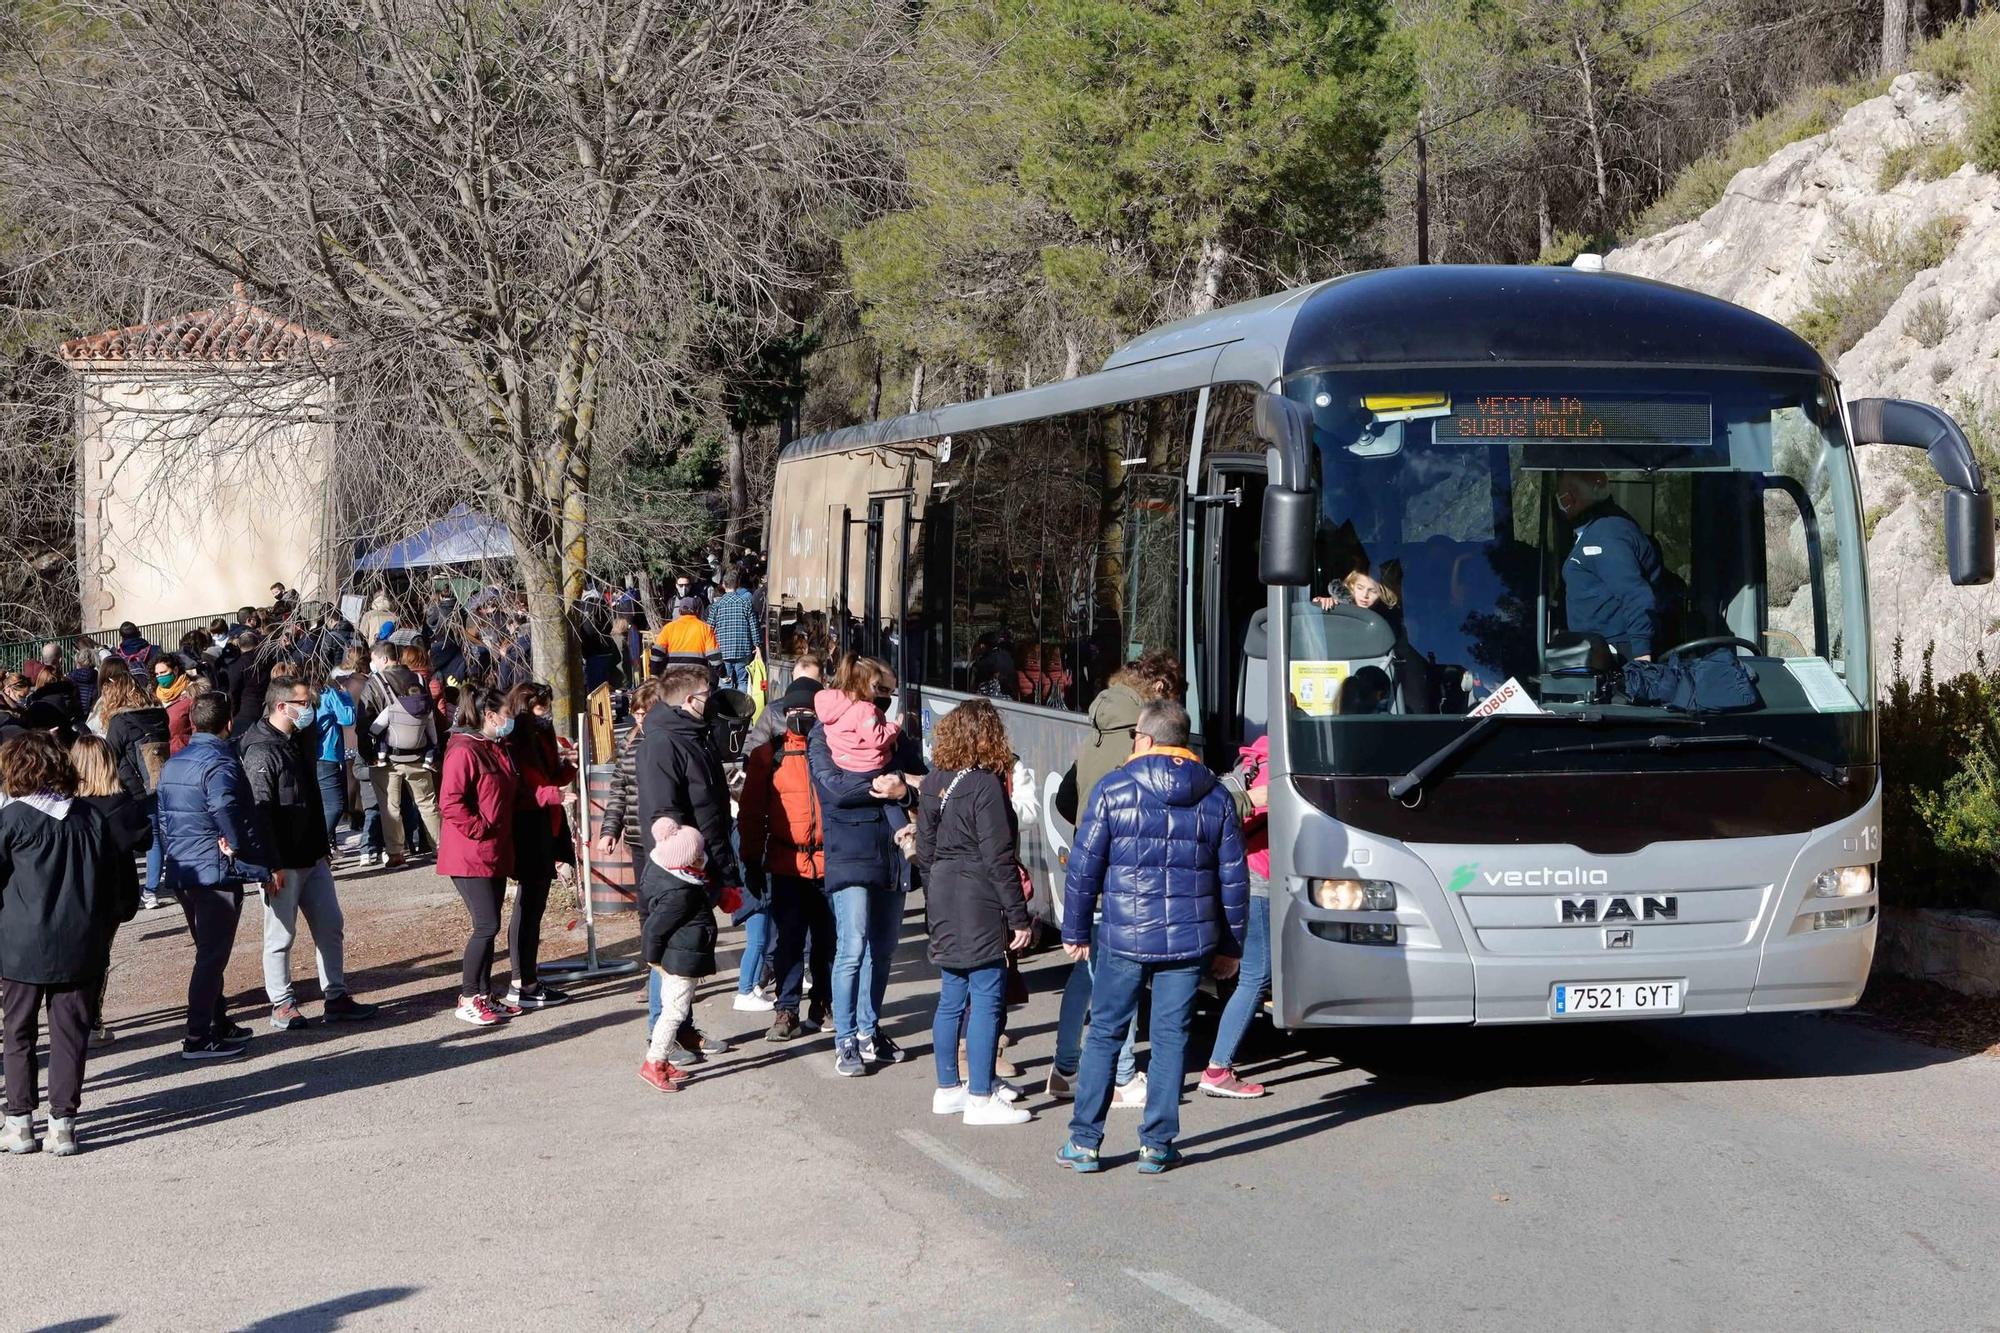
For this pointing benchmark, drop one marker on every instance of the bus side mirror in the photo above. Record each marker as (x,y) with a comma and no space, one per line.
(1968,505)
(1290,523)
(1290,508)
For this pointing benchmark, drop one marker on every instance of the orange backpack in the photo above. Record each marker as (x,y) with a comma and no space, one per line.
(779,817)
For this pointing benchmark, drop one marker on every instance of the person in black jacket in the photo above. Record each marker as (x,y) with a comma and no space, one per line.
(278,761)
(129,825)
(57,912)
(972,899)
(680,777)
(136,729)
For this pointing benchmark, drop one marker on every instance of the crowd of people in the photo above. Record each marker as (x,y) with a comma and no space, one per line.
(258,756)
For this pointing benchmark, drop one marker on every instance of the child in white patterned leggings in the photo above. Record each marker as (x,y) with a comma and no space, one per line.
(678,938)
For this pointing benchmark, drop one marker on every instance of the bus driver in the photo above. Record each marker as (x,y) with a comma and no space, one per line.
(1611,578)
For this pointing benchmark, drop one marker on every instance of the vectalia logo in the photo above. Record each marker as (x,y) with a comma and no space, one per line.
(1463,876)
(1546,877)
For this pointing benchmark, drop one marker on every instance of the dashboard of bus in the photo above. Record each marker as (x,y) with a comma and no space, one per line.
(1633,557)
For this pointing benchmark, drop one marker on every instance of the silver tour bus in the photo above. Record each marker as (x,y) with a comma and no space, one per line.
(1547,589)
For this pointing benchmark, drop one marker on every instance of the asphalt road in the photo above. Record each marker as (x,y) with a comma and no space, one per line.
(1796,1172)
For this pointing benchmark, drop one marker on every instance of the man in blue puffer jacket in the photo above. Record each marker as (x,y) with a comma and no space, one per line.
(212,841)
(1160,845)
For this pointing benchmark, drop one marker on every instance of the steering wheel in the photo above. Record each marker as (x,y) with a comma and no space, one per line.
(1713,641)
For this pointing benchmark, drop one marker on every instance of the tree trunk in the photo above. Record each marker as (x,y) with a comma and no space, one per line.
(875,390)
(1596,133)
(1545,226)
(1895,36)
(1072,356)
(1208,274)
(917,388)
(555,658)
(739,496)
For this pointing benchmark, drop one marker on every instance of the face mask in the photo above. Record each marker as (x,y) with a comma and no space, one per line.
(164,681)
(506,730)
(883,702)
(302,715)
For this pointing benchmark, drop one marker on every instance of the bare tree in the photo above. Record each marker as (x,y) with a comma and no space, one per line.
(515,219)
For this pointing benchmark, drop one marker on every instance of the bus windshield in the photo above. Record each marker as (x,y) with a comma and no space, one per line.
(1609,544)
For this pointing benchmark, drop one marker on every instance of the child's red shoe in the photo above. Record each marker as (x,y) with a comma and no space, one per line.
(661,1075)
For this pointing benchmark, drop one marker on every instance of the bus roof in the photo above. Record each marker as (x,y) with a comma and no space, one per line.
(1436,315)
(1464,314)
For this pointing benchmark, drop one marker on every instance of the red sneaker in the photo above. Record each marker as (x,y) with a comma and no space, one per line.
(661,1076)
(500,1006)
(1224,1083)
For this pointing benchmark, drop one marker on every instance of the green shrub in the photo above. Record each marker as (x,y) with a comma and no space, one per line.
(1941,788)
(1966,56)
(1925,161)
(1852,299)
(1568,245)
(1929,320)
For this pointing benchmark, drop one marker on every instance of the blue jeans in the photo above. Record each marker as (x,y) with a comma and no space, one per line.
(972,997)
(1252,983)
(756,951)
(734,676)
(332,795)
(154,852)
(1069,1024)
(1114,999)
(867,924)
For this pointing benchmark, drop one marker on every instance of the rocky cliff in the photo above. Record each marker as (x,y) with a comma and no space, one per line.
(1875,238)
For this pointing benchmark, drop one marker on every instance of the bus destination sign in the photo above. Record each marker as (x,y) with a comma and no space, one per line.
(1674,422)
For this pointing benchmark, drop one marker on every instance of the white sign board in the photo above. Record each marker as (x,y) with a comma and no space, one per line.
(1511,697)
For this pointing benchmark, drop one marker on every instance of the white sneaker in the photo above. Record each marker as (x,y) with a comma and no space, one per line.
(19,1135)
(62,1136)
(1131,1097)
(764,990)
(1006,1091)
(754,1003)
(993,1111)
(948,1101)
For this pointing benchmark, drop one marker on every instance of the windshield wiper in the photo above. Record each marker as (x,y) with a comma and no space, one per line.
(1428,766)
(1813,764)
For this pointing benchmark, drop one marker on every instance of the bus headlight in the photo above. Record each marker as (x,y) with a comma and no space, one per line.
(1352,895)
(1845,882)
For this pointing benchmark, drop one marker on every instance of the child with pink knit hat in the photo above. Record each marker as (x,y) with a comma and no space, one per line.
(678,939)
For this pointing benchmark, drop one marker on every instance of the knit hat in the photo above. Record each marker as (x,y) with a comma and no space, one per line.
(678,847)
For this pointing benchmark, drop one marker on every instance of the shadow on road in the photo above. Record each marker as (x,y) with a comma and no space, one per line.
(328,1316)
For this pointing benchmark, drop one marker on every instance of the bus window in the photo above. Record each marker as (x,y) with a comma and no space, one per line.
(1065,556)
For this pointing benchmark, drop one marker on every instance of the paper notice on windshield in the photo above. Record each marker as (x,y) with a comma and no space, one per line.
(1511,697)
(1315,687)
(1824,688)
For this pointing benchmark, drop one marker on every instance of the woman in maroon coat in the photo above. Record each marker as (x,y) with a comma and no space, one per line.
(476,803)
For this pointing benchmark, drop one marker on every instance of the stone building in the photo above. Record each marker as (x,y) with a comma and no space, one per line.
(205,447)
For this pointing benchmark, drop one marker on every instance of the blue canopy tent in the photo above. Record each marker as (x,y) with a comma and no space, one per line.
(462,537)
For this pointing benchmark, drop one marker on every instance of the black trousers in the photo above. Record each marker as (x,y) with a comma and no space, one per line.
(524,931)
(212,913)
(69,1035)
(482,895)
(800,911)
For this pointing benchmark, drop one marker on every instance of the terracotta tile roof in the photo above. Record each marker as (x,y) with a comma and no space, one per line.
(235,332)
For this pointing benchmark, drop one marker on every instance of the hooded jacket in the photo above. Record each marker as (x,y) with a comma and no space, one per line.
(58,899)
(204,796)
(284,787)
(1160,846)
(476,805)
(972,888)
(85,680)
(1114,715)
(770,724)
(406,731)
